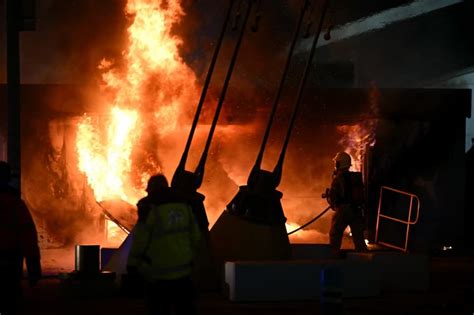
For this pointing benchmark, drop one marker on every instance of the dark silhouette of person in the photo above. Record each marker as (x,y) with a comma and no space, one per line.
(345,197)
(163,249)
(18,240)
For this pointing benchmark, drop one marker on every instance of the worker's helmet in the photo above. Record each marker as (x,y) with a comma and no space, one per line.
(342,160)
(5,172)
(156,183)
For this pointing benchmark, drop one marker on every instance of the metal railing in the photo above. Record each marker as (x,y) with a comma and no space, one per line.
(407,222)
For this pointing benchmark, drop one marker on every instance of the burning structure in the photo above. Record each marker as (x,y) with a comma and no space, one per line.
(84,144)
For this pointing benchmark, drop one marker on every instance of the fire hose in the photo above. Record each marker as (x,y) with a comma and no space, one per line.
(311,221)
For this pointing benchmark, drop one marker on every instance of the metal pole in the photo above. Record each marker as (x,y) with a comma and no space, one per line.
(378,216)
(112,218)
(278,168)
(276,101)
(182,163)
(200,168)
(13,88)
(408,225)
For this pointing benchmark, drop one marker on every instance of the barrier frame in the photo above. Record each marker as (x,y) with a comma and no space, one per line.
(407,222)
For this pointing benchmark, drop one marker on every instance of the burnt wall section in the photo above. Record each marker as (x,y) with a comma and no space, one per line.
(51,187)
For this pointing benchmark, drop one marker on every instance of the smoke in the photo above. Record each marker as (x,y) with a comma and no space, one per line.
(261,57)
(70,39)
(246,109)
(306,175)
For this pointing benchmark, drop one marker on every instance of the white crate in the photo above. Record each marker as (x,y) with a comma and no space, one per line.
(296,279)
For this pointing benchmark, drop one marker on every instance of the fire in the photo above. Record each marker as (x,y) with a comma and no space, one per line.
(356,139)
(291,226)
(306,235)
(106,163)
(115,235)
(149,93)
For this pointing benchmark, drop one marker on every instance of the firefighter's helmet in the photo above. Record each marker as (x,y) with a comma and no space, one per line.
(342,160)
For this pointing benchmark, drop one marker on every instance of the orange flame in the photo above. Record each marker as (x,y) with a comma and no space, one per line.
(305,235)
(107,165)
(356,138)
(149,92)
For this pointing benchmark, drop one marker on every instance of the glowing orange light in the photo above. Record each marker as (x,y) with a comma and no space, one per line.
(154,78)
(106,162)
(355,139)
(149,91)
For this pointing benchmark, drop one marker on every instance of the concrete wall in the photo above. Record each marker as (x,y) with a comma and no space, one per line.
(462,81)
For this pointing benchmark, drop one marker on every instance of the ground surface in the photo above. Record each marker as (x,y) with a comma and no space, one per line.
(451,292)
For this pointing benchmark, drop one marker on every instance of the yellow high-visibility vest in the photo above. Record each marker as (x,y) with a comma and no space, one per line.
(164,244)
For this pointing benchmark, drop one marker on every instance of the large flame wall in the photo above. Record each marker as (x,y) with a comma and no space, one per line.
(138,120)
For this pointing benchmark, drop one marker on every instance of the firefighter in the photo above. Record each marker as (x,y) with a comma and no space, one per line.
(163,247)
(18,240)
(346,197)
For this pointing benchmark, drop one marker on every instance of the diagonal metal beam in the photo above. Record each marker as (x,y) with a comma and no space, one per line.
(381,20)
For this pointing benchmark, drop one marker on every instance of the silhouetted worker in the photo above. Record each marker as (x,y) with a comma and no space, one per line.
(204,271)
(346,197)
(18,240)
(187,189)
(163,249)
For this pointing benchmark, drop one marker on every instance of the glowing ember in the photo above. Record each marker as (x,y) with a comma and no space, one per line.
(149,92)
